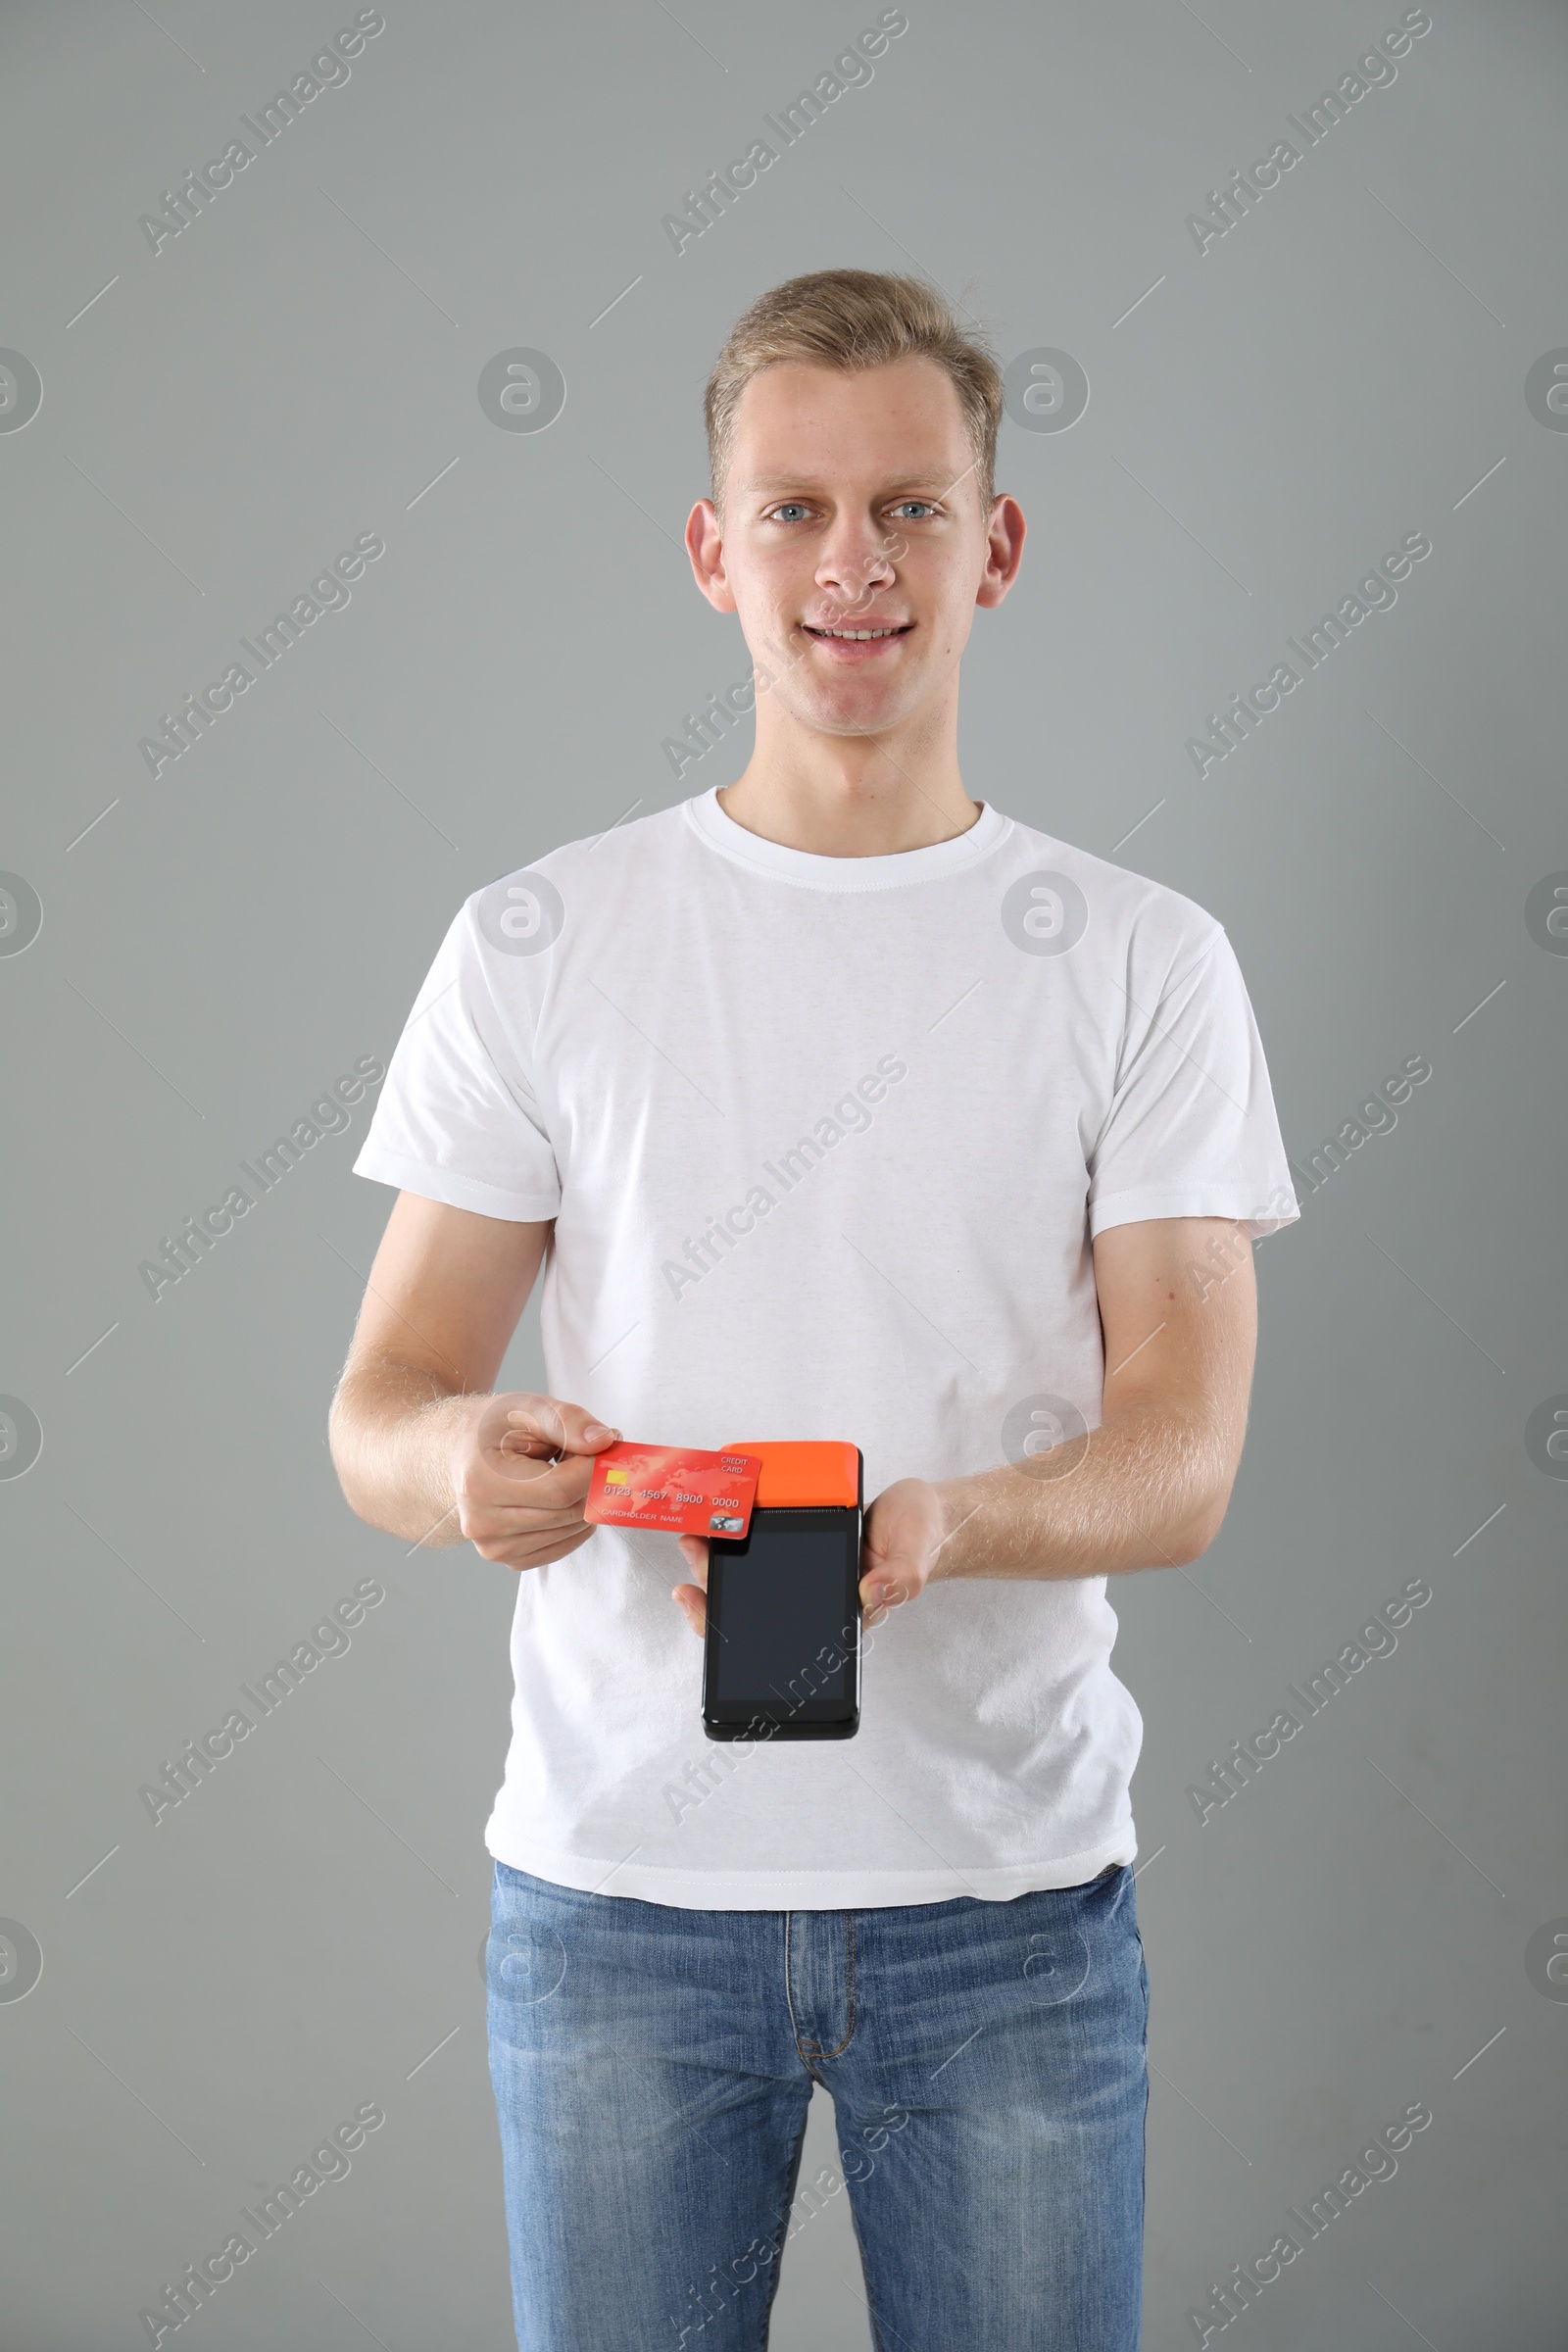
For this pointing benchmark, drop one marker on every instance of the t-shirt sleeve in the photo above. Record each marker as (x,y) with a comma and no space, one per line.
(1192,1130)
(457,1119)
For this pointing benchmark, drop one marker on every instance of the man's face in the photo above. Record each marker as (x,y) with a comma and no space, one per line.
(853,546)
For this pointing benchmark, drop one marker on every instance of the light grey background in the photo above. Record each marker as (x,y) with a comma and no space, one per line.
(1343,367)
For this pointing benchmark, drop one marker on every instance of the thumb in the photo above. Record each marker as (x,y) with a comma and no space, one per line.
(883,1584)
(893,1560)
(694,1551)
(565,1428)
(581,1433)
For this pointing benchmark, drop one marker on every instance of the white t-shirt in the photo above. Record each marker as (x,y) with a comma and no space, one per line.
(826,1141)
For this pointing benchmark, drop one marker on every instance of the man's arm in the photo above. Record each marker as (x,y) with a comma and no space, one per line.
(421,1446)
(1148,1489)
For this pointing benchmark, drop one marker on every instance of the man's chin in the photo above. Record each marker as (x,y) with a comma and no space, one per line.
(855,706)
(833,699)
(847,724)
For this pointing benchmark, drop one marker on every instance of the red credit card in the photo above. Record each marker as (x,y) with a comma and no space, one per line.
(675,1488)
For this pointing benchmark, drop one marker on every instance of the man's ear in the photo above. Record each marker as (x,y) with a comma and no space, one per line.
(705,544)
(1004,539)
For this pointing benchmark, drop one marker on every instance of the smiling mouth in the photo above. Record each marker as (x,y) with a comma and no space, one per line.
(841,636)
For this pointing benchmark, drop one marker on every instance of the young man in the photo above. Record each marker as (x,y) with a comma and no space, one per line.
(835,1105)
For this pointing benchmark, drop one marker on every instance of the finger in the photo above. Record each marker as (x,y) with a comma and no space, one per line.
(541,1481)
(509,1551)
(546,1487)
(506,1523)
(692,1601)
(882,1589)
(694,1551)
(497,1511)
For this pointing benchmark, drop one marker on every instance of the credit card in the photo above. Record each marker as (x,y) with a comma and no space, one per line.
(678,1489)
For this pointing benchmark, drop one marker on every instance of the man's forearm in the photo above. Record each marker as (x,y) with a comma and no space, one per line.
(1146,1489)
(392,1430)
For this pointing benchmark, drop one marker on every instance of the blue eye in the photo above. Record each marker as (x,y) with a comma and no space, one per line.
(789,510)
(905,502)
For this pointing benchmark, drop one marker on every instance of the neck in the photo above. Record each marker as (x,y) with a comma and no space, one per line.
(852,796)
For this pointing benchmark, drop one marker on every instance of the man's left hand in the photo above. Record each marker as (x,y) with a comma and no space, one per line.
(904,1530)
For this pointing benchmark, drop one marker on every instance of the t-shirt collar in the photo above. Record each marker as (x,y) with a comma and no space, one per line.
(812,873)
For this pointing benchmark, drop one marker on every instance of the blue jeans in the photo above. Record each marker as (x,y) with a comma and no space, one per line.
(652,2067)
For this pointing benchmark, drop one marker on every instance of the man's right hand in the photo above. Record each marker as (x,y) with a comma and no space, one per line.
(520,1467)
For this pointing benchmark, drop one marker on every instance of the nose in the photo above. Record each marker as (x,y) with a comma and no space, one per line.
(856,561)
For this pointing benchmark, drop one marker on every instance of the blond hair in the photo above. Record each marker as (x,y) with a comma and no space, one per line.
(855,318)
